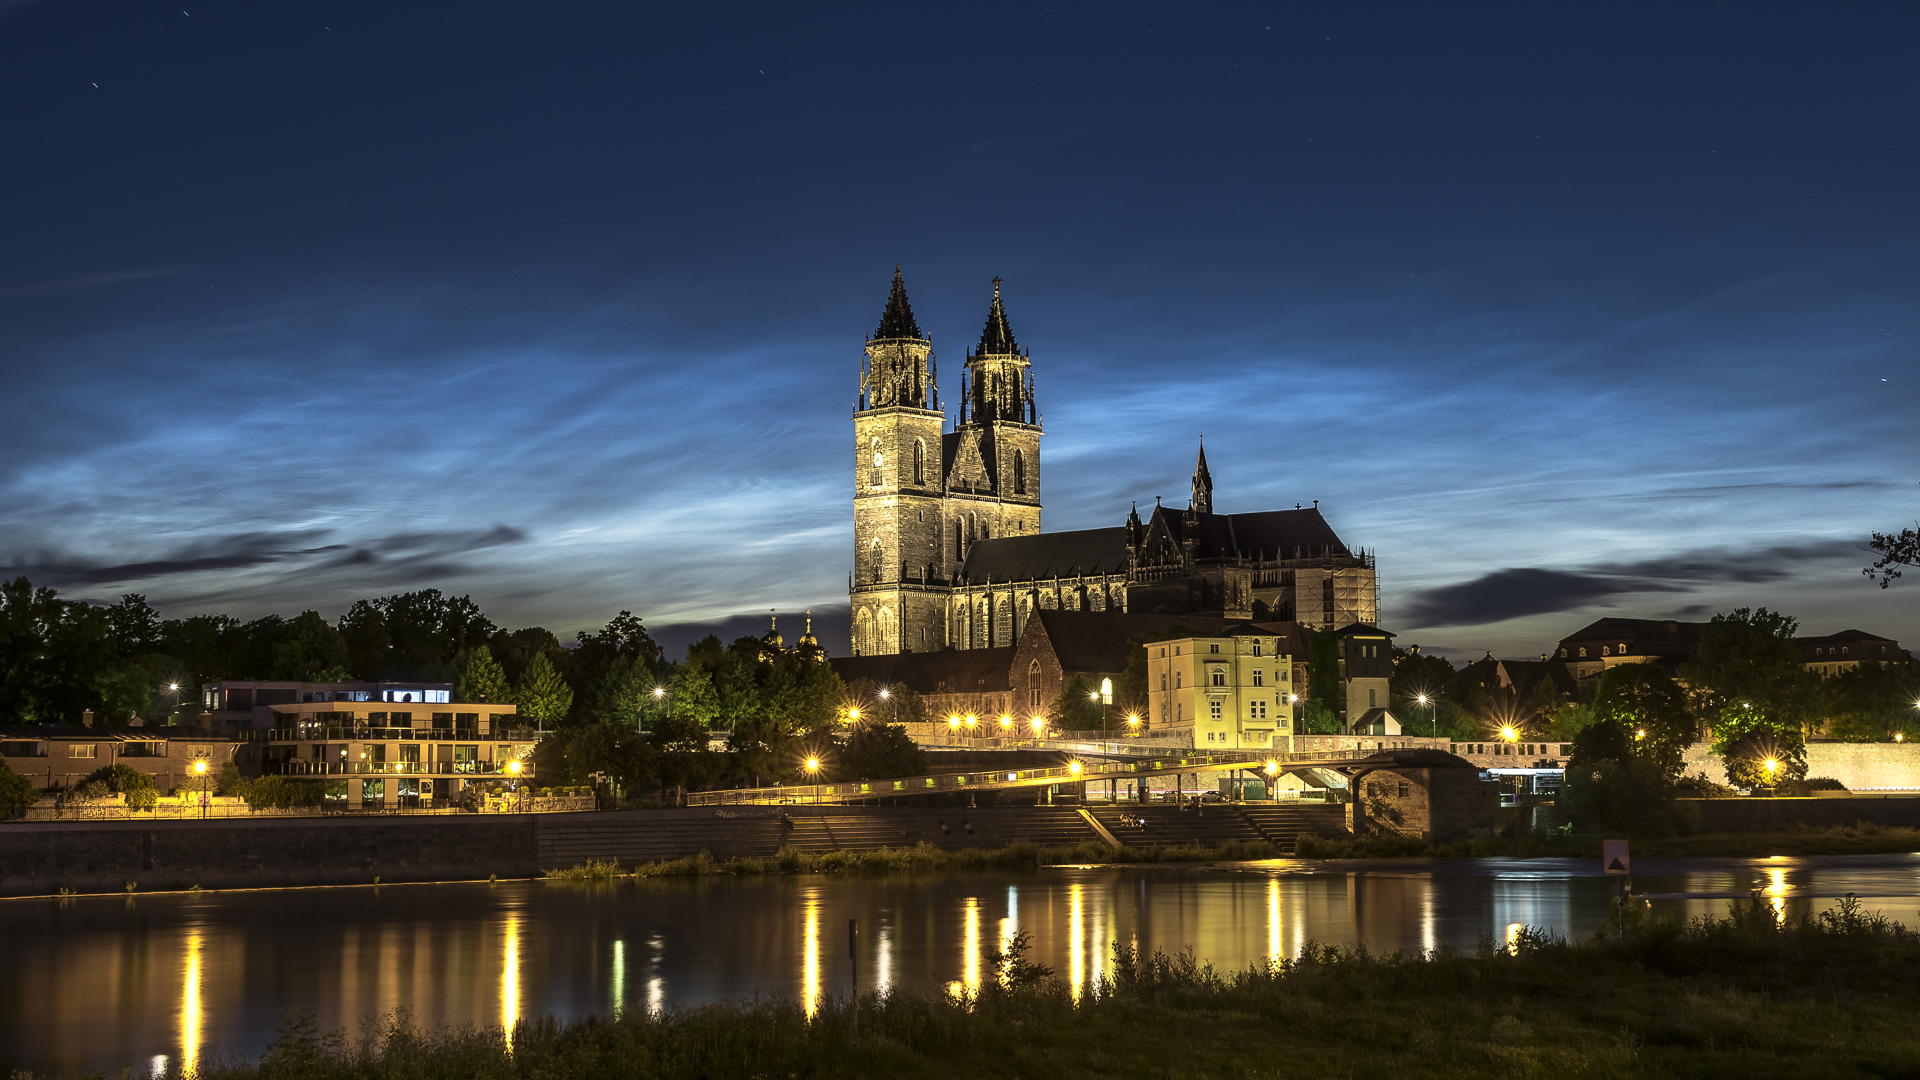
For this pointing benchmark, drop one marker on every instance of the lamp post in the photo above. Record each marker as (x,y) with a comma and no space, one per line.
(813,775)
(1095,698)
(1039,724)
(1433,715)
(1133,724)
(200,777)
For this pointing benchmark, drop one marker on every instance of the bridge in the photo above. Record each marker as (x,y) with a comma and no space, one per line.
(1074,772)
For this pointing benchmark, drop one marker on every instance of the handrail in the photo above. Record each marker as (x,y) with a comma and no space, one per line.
(994,779)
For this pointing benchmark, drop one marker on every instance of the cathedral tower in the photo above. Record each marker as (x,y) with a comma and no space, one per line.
(897,482)
(993,475)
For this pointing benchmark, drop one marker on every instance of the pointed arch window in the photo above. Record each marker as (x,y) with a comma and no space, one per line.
(1033,685)
(873,560)
(1019,473)
(919,462)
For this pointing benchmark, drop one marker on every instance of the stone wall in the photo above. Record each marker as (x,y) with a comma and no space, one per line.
(1860,766)
(1431,804)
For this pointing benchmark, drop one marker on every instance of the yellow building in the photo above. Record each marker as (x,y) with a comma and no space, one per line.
(1232,691)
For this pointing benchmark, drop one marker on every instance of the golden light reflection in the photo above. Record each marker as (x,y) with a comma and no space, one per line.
(619,976)
(191,1017)
(971,978)
(883,977)
(810,976)
(1273,919)
(510,976)
(1777,890)
(1513,937)
(1076,940)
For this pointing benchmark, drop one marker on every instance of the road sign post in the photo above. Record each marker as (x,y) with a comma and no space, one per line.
(1616,861)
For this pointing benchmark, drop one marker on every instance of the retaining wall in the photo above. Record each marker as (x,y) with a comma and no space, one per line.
(1860,766)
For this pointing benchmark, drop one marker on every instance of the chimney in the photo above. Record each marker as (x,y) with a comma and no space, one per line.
(86,718)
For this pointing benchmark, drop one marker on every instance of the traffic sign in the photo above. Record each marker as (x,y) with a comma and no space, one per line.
(1613,856)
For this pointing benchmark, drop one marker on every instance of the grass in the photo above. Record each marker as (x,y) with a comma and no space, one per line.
(1860,838)
(1744,995)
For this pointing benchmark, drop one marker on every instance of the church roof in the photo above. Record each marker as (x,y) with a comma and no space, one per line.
(997,338)
(1103,640)
(1089,552)
(1270,534)
(897,321)
(950,671)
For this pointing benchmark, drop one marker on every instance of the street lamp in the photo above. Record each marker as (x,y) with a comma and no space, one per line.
(1433,715)
(200,774)
(1510,733)
(1006,721)
(1772,765)
(853,715)
(1133,722)
(1039,725)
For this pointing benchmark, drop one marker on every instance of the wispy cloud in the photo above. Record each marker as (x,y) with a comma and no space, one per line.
(1516,592)
(77,282)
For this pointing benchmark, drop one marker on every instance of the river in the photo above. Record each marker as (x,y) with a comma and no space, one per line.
(102,983)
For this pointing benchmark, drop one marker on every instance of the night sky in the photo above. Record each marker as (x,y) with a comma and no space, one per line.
(1567,310)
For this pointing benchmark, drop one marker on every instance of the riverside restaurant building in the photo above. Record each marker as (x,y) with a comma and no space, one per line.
(373,755)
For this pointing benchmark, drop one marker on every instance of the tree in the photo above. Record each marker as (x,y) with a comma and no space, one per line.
(479,678)
(364,630)
(1646,700)
(877,750)
(134,625)
(1078,707)
(1618,781)
(310,650)
(1895,550)
(16,792)
(1749,682)
(1873,702)
(542,695)
(622,692)
(1326,695)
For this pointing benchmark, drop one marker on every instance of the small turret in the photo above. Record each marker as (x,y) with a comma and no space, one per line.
(1202,485)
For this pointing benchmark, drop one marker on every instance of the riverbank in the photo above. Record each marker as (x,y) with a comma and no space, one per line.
(1860,838)
(1740,996)
(920,858)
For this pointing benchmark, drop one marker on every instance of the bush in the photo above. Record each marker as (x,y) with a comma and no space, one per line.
(280,793)
(121,779)
(16,792)
(94,789)
(143,799)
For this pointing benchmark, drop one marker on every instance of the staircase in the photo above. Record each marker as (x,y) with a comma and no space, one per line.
(1168,825)
(1283,825)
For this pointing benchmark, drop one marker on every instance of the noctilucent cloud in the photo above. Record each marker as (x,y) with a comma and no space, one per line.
(1564,311)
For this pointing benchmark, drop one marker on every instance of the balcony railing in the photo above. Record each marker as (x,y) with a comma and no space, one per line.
(345,733)
(395,768)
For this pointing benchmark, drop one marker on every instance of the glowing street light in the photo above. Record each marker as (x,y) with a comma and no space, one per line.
(813,765)
(1074,768)
(971,720)
(659,692)
(1772,765)
(1039,725)
(1510,733)
(1273,768)
(1006,721)
(513,767)
(853,713)
(200,774)
(883,694)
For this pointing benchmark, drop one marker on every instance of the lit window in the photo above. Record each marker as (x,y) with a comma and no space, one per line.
(1258,678)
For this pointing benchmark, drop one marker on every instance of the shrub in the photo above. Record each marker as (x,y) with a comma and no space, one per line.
(16,792)
(143,799)
(121,779)
(280,793)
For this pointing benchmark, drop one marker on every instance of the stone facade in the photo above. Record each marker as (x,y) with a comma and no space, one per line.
(1427,803)
(948,549)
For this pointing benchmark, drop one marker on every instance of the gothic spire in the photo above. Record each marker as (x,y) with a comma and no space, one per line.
(897,320)
(1202,484)
(997,338)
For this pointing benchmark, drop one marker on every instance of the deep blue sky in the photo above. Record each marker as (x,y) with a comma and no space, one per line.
(1565,310)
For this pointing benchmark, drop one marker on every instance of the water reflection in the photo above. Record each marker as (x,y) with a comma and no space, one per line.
(810,980)
(176,981)
(510,974)
(192,1020)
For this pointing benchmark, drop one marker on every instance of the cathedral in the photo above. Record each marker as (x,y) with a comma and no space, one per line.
(948,551)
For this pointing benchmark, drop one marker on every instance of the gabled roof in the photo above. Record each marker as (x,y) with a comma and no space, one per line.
(950,671)
(1846,637)
(1361,629)
(1645,631)
(116,733)
(1038,556)
(897,321)
(1271,534)
(1103,640)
